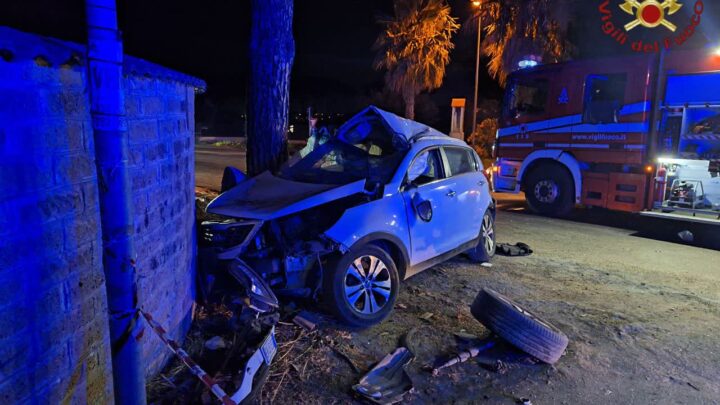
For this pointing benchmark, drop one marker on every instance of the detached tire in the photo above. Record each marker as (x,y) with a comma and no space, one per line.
(550,190)
(518,326)
(361,286)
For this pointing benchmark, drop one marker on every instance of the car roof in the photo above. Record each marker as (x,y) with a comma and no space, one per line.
(443,140)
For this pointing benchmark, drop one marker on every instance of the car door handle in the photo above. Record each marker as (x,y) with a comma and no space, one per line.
(451,194)
(481,182)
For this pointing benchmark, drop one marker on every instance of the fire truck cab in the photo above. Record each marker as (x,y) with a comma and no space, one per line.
(635,134)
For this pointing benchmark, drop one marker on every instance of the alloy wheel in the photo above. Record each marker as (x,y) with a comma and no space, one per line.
(367,285)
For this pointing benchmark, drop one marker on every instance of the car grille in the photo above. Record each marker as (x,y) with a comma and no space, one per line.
(225,234)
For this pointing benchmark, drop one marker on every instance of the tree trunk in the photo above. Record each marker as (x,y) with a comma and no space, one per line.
(409,99)
(272,50)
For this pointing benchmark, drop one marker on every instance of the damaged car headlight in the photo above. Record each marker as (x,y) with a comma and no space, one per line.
(226,234)
(260,296)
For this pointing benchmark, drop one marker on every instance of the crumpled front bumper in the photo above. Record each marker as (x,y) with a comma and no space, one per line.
(256,369)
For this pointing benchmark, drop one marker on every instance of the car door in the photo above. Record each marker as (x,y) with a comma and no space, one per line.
(426,181)
(470,197)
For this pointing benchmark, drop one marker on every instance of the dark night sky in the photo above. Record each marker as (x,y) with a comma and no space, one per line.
(209,39)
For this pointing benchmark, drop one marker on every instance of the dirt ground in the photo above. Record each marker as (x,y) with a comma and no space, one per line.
(642,316)
(642,313)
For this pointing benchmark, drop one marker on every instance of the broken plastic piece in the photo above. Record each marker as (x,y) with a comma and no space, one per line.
(388,381)
(260,296)
(307,320)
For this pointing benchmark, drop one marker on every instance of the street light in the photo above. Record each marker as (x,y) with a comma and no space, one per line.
(477,4)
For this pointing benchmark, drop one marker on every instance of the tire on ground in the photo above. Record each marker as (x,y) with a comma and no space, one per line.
(481,253)
(553,172)
(518,326)
(334,287)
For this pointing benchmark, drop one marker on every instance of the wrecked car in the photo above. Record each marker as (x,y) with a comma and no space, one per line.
(345,220)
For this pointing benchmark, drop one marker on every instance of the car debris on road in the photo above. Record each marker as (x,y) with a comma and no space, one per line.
(518,326)
(388,381)
(463,356)
(307,320)
(518,249)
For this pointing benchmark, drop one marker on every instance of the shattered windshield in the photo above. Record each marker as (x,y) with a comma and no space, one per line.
(365,151)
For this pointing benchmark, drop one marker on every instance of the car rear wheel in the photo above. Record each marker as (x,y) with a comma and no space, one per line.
(549,190)
(361,286)
(485,249)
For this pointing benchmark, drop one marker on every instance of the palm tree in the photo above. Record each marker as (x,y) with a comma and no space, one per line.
(515,28)
(272,50)
(415,48)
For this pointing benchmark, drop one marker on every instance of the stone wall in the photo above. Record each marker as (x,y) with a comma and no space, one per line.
(54,341)
(160,123)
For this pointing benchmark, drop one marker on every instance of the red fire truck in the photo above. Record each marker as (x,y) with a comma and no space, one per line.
(637,134)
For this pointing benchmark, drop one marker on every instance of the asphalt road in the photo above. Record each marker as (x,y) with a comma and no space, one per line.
(210,161)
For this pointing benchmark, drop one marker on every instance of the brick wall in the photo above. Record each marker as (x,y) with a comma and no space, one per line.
(54,342)
(160,123)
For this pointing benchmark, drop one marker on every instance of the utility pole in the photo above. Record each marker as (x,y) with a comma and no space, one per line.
(105,63)
(477,4)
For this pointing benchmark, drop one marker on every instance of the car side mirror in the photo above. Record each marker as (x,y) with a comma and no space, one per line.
(231,178)
(423,208)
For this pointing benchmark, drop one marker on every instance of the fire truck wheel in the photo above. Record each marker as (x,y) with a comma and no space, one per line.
(549,190)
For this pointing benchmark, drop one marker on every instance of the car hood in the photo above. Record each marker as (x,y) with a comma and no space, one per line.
(266,197)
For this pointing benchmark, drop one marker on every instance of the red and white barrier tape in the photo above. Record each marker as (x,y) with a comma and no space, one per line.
(185,358)
(706,137)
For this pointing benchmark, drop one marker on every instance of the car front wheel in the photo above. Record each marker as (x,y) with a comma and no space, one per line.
(361,286)
(485,249)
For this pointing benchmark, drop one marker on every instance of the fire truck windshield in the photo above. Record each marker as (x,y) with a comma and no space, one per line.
(526,97)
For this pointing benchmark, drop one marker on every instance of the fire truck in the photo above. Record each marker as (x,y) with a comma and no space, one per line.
(637,134)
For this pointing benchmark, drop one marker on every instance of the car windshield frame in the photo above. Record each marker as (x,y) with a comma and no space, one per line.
(356,164)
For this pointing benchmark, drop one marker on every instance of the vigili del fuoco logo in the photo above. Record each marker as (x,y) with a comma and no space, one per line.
(622,19)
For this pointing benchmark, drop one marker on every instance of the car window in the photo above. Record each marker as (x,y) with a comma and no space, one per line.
(425,168)
(460,160)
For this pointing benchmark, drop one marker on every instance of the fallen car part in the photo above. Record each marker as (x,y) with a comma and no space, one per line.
(518,326)
(260,300)
(265,354)
(261,357)
(387,382)
(463,356)
(307,320)
(518,249)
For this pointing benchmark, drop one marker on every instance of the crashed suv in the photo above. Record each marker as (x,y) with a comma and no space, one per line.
(345,220)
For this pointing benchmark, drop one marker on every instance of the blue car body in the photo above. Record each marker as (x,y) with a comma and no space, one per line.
(418,194)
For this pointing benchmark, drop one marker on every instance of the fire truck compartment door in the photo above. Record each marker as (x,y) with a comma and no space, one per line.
(696,89)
